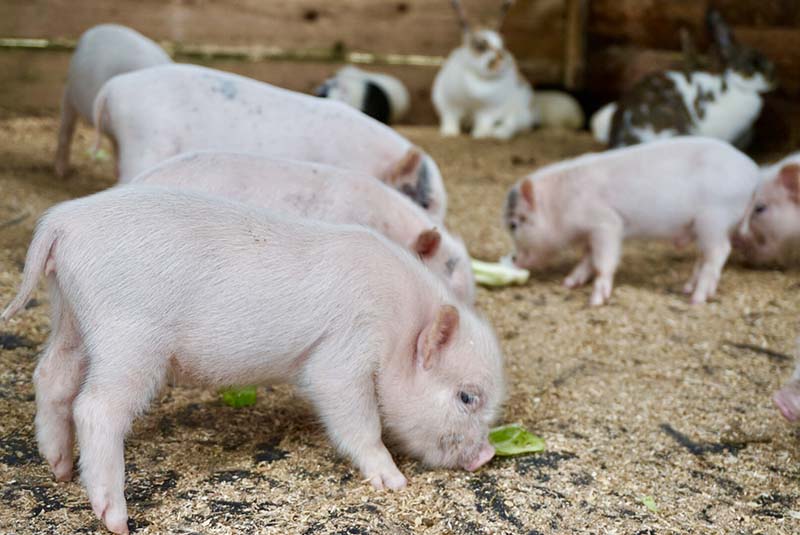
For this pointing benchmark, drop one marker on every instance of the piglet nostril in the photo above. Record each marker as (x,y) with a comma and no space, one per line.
(485,455)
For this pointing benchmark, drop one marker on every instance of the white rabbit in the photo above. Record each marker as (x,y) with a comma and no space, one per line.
(479,84)
(381,96)
(696,101)
(557,109)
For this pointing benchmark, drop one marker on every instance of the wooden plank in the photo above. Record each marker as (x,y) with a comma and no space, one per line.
(575,43)
(615,69)
(534,28)
(646,24)
(650,24)
(31,81)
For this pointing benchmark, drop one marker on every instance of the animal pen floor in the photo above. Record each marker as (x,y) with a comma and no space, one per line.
(648,396)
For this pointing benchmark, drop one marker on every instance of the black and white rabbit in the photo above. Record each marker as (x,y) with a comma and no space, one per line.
(381,96)
(695,101)
(480,85)
(600,122)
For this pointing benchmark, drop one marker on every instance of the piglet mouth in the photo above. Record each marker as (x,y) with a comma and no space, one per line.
(484,455)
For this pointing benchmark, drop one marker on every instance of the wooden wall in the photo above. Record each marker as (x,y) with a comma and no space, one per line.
(598,47)
(535,31)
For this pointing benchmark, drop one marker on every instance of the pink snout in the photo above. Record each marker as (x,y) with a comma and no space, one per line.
(484,456)
(527,261)
(787,400)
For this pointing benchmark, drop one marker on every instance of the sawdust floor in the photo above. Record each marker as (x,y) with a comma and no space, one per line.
(645,397)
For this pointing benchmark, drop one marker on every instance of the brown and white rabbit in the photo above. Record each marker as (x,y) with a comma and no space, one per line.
(600,122)
(479,84)
(696,101)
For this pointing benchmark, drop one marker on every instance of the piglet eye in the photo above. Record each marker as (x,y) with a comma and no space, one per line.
(760,208)
(466,399)
(512,225)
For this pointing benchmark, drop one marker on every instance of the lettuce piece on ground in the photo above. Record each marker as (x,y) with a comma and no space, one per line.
(513,439)
(498,273)
(239,397)
(650,503)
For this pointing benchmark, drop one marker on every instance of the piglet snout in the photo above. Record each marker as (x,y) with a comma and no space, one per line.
(484,456)
(787,399)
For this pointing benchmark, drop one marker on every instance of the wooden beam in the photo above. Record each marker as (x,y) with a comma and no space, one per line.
(575,44)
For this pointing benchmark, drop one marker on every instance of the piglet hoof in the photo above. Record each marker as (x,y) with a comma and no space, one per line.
(115,517)
(573,282)
(62,469)
(787,400)
(698,298)
(389,479)
(597,300)
(602,292)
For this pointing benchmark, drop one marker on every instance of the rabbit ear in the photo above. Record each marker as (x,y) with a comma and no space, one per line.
(721,32)
(503,12)
(462,17)
(688,49)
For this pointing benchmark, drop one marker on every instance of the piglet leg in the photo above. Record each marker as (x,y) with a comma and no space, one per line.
(582,273)
(715,246)
(690,285)
(57,380)
(606,243)
(104,411)
(69,117)
(349,410)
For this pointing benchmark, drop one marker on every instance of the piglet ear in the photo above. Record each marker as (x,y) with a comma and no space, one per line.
(406,166)
(428,243)
(526,189)
(435,337)
(789,178)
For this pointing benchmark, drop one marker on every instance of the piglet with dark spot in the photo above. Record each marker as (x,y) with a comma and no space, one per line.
(684,189)
(160,112)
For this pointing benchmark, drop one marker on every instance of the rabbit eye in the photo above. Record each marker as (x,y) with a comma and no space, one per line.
(480,46)
(760,208)
(512,225)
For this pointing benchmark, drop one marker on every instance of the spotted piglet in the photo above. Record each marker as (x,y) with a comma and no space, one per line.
(102,52)
(158,113)
(325,193)
(684,189)
(184,285)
